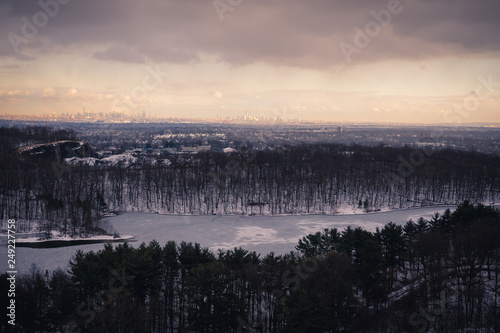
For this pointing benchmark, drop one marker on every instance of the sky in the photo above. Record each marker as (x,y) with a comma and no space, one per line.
(408,61)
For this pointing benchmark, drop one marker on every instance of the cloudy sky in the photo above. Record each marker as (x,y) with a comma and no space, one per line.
(421,61)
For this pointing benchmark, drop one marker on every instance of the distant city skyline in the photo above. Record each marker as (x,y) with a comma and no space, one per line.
(377,62)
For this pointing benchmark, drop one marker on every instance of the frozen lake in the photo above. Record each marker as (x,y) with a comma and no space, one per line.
(262,234)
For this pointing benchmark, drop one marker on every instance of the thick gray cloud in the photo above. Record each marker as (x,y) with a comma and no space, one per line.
(303,33)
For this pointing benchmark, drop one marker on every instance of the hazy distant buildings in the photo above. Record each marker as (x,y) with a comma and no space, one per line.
(249,118)
(424,135)
(195,150)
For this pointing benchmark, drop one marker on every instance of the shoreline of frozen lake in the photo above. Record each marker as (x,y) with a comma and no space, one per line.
(34,242)
(263,234)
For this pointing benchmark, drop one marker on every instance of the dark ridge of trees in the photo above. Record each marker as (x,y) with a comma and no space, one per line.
(314,179)
(11,138)
(440,275)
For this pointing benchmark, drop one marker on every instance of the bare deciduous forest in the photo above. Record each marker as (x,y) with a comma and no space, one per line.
(300,179)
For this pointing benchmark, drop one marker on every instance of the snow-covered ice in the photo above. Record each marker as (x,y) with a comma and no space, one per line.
(262,234)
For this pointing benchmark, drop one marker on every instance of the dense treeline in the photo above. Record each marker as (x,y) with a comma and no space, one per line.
(12,138)
(440,275)
(294,179)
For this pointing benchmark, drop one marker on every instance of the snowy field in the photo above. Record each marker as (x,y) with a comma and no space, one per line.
(262,234)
